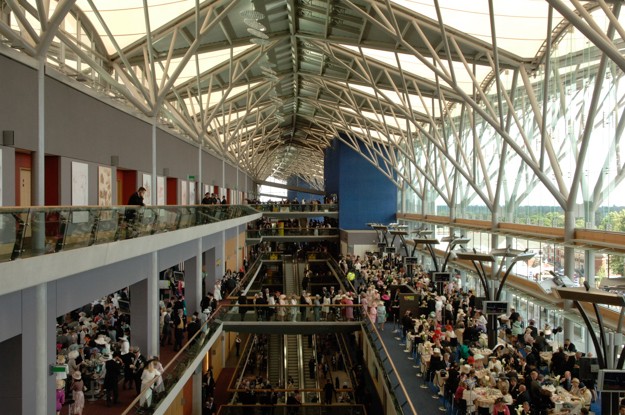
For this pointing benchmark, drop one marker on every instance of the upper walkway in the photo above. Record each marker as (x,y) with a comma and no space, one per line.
(51,236)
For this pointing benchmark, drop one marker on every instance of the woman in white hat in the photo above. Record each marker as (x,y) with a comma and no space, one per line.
(73,357)
(77,388)
(282,310)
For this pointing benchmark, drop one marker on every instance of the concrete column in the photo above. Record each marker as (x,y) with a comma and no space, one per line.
(200,190)
(197,390)
(145,312)
(11,386)
(589,267)
(569,268)
(193,280)
(154,189)
(211,269)
(37,389)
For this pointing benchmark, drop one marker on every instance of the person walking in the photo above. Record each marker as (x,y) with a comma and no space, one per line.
(111,379)
(167,323)
(137,366)
(180,326)
(237,344)
(328,389)
(78,395)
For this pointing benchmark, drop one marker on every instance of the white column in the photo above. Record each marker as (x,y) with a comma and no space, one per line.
(200,190)
(193,280)
(197,390)
(154,189)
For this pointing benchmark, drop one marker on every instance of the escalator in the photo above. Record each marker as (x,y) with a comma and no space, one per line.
(290,279)
(292,348)
(301,272)
(307,353)
(275,366)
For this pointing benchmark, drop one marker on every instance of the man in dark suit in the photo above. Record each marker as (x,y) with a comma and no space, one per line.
(569,347)
(524,395)
(111,379)
(180,326)
(567,381)
(136,199)
(242,302)
(192,328)
(137,366)
(127,360)
(166,328)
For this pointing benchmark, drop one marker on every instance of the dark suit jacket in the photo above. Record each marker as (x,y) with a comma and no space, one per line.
(177,320)
(135,200)
(113,371)
(523,397)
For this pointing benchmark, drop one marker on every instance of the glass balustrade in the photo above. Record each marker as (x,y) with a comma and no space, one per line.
(33,231)
(266,232)
(334,409)
(148,400)
(251,312)
(280,208)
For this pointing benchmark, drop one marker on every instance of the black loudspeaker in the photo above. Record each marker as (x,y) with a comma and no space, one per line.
(586,367)
(115,161)
(8,138)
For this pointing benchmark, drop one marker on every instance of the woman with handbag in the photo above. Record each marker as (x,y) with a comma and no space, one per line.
(78,388)
(148,374)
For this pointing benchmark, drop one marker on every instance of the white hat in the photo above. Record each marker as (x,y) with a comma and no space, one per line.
(72,355)
(105,357)
(437,350)
(76,375)
(478,356)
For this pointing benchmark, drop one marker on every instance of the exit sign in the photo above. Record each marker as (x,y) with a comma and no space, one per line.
(189,177)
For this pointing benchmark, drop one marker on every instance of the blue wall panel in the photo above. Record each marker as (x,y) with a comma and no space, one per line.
(292,194)
(365,194)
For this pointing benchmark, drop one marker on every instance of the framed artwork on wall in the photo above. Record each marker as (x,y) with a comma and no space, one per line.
(183,192)
(147,183)
(80,184)
(160,190)
(105,186)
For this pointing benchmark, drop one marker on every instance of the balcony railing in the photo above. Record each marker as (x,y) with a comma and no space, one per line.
(305,409)
(279,208)
(260,312)
(148,400)
(33,231)
(258,233)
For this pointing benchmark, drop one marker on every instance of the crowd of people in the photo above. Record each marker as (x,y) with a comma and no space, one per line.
(526,373)
(93,348)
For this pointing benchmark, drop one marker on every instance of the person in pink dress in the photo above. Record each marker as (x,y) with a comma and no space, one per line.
(349,311)
(373,312)
(60,395)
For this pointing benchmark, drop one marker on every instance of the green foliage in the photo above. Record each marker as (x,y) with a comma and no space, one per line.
(617,220)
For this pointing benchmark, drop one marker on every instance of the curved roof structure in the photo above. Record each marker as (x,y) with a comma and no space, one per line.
(486,102)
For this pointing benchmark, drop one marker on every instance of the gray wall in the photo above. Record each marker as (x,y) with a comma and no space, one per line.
(80,127)
(179,157)
(211,169)
(231,176)
(8,175)
(18,106)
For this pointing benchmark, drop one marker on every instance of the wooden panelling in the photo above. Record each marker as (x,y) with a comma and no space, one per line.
(477,223)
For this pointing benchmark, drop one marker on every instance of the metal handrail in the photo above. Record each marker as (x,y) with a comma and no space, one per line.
(184,349)
(375,330)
